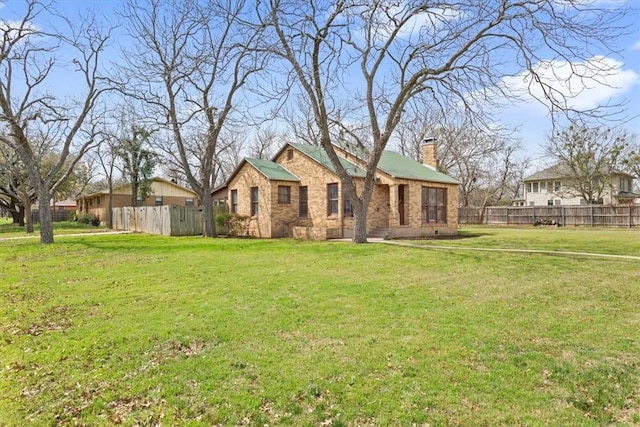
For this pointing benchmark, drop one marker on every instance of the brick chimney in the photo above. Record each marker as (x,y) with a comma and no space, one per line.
(429,156)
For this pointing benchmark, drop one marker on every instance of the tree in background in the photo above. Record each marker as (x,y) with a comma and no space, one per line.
(485,161)
(197,58)
(138,163)
(34,119)
(360,63)
(16,192)
(587,154)
(631,157)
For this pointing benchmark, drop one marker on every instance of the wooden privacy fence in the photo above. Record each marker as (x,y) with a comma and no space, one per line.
(591,215)
(165,220)
(56,216)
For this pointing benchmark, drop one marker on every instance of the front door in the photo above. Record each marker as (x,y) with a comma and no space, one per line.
(401,217)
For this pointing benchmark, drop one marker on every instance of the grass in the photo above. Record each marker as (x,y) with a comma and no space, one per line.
(618,241)
(137,329)
(9,230)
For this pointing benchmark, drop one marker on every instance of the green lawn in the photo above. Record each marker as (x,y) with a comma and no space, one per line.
(8,230)
(620,241)
(146,330)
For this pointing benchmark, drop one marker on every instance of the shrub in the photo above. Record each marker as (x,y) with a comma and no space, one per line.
(222,222)
(238,225)
(88,219)
(234,224)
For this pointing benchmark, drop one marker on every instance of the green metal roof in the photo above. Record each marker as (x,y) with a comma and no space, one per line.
(272,170)
(399,166)
(319,155)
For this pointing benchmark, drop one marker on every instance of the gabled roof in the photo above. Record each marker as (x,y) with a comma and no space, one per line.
(399,166)
(320,156)
(271,170)
(561,170)
(120,187)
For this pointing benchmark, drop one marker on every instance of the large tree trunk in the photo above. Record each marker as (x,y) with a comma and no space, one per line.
(46,219)
(110,212)
(28,218)
(207,212)
(18,216)
(360,206)
(359,225)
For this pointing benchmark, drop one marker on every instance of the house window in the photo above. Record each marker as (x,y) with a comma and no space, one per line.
(254,201)
(549,202)
(543,187)
(99,201)
(303,198)
(529,188)
(556,185)
(234,201)
(531,203)
(158,200)
(557,202)
(332,199)
(535,187)
(188,202)
(284,194)
(289,154)
(434,205)
(346,202)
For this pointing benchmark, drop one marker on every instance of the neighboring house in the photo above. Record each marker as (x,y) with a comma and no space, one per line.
(64,205)
(163,192)
(220,196)
(553,187)
(299,194)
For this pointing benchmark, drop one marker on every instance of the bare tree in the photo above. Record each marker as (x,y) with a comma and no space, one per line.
(264,143)
(106,156)
(631,157)
(362,62)
(138,162)
(198,58)
(35,120)
(16,192)
(587,155)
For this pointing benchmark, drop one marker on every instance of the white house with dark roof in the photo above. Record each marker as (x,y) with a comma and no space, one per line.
(554,186)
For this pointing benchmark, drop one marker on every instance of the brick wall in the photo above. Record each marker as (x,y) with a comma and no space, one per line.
(282,220)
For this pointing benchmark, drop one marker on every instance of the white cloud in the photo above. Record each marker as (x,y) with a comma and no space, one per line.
(10,29)
(584,85)
(636,45)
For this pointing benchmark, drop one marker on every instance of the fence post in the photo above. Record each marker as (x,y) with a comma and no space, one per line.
(629,208)
(533,209)
(591,215)
(564,218)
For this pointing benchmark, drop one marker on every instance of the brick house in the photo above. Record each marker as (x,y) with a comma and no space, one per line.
(299,194)
(163,192)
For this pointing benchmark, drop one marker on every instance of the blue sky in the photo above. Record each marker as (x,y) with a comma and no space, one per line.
(529,116)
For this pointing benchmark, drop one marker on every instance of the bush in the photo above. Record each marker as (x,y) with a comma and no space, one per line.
(222,221)
(235,225)
(88,219)
(238,225)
